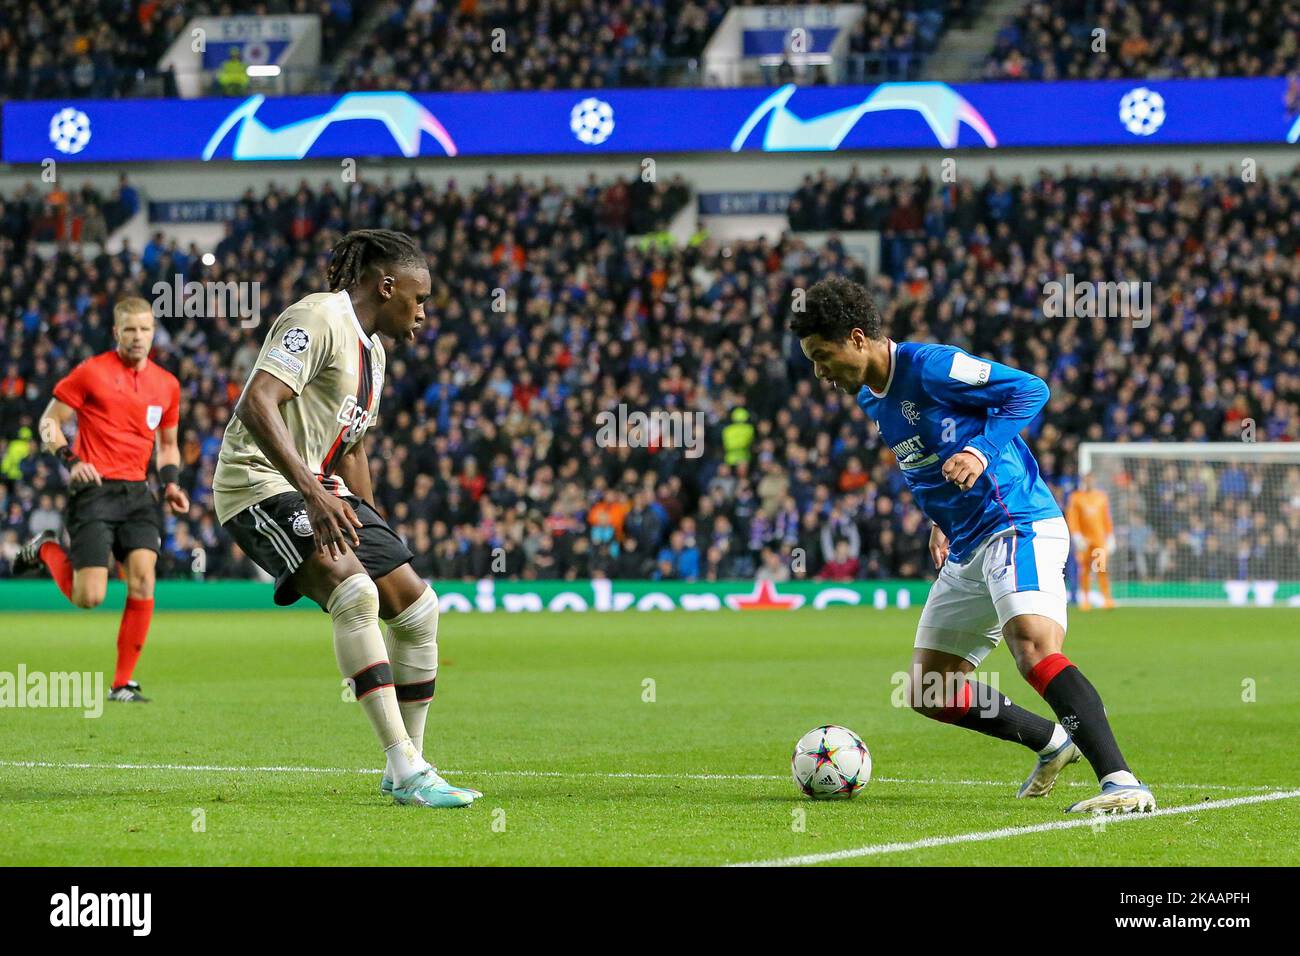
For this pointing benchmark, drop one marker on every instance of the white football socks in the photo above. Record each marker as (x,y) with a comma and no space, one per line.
(412,641)
(1122,777)
(1058,737)
(403,761)
(359,649)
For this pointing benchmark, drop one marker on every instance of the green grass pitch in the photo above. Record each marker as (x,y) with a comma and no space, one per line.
(547,715)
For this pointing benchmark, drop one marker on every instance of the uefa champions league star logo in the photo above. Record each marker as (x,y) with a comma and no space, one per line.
(296,339)
(592,121)
(1142,111)
(70,130)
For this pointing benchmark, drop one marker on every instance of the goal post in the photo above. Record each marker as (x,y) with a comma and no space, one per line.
(1214,523)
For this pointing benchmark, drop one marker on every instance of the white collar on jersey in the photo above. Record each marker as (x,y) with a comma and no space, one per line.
(356,323)
(893,364)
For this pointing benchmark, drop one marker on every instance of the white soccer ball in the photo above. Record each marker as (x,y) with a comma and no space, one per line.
(830,763)
(69,130)
(592,121)
(1142,111)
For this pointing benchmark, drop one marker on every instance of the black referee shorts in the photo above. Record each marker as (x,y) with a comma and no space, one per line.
(109,520)
(276,534)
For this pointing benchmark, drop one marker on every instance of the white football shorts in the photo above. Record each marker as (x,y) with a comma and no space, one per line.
(1016,571)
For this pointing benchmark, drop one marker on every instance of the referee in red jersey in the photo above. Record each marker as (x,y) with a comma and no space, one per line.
(124,404)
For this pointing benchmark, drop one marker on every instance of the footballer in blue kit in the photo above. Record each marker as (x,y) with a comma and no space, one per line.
(998,538)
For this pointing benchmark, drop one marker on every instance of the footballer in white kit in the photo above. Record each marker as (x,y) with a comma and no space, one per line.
(292,487)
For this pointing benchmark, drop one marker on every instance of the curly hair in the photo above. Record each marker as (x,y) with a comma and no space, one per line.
(363,248)
(833,308)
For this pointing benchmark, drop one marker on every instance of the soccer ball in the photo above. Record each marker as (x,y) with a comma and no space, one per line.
(1142,111)
(831,762)
(592,121)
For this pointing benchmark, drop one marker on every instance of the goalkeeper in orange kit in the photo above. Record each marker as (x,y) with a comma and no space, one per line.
(1088,515)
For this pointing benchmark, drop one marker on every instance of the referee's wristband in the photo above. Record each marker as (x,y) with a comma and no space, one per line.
(65,455)
(168,474)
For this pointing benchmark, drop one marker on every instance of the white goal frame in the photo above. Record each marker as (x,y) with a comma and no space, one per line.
(1202,451)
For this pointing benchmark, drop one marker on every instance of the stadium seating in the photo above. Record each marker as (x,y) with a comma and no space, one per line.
(486,431)
(89,48)
(542,45)
(1155,40)
(95,48)
(106,49)
(587,44)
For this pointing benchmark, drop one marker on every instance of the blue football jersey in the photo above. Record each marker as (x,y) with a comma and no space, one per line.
(940,400)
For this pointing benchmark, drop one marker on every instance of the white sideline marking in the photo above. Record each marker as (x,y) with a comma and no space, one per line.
(212,768)
(617,775)
(1083,820)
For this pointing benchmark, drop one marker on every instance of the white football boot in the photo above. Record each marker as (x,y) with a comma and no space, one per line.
(1117,798)
(1043,777)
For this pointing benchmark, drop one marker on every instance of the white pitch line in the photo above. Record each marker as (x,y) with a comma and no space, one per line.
(1090,784)
(212,768)
(613,775)
(1083,820)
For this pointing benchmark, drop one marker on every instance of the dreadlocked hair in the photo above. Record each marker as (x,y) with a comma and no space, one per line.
(362,248)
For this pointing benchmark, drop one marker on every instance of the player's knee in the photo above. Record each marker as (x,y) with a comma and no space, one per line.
(354,600)
(140,586)
(418,623)
(414,633)
(1031,656)
(1032,638)
(88,594)
(87,599)
(1028,652)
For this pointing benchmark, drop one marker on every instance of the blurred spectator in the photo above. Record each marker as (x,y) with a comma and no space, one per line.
(528,44)
(1172,38)
(93,49)
(486,446)
(843,566)
(772,567)
(18,451)
(737,437)
(232,77)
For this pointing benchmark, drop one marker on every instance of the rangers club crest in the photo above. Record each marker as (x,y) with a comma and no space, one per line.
(152,416)
(910,412)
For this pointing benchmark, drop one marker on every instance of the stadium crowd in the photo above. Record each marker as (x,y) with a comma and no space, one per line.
(544,314)
(103,48)
(560,44)
(1194,519)
(1151,39)
(548,44)
(112,48)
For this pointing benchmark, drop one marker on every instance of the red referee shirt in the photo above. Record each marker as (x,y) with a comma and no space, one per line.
(119,410)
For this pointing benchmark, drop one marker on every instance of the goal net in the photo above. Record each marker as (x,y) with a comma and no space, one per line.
(1214,523)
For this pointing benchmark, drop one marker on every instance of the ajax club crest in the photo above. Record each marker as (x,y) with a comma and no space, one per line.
(301,524)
